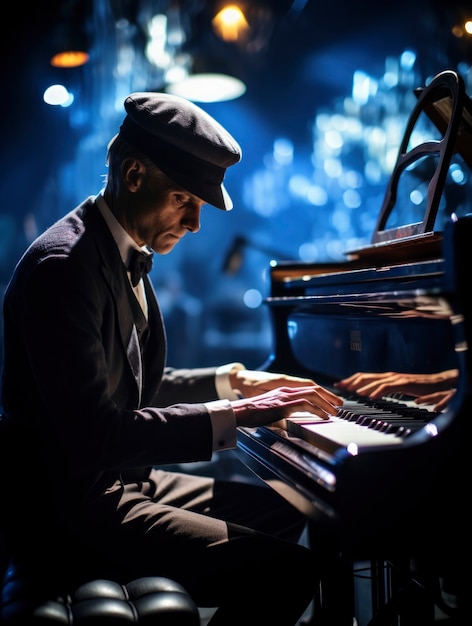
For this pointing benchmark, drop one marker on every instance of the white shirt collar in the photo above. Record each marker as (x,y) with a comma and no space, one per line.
(124,241)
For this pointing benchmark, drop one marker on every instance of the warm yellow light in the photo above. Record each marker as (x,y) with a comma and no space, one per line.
(468,27)
(230,23)
(69,58)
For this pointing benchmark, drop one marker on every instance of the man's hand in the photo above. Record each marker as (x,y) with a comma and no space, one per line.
(249,383)
(269,397)
(439,399)
(425,388)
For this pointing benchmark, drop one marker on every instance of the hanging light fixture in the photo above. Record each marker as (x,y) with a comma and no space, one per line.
(69,58)
(70,43)
(230,23)
(208,87)
(187,72)
(208,80)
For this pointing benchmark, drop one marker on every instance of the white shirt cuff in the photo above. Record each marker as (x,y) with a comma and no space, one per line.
(223,387)
(223,423)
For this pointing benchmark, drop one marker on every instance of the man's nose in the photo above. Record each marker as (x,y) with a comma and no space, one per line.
(192,220)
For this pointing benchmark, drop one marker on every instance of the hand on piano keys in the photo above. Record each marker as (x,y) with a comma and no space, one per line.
(267,397)
(435,389)
(249,383)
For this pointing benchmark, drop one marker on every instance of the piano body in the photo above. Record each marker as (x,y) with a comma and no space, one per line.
(386,479)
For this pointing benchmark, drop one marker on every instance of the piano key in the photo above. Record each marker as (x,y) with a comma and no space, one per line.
(338,431)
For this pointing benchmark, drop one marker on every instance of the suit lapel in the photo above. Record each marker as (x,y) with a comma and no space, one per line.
(119,285)
(116,277)
(156,346)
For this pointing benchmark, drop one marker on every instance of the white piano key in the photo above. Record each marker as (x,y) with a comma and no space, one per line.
(338,431)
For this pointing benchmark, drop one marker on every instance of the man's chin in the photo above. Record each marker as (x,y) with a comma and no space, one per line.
(165,249)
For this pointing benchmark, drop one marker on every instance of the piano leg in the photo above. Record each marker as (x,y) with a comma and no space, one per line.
(334,602)
(412,594)
(399,594)
(408,605)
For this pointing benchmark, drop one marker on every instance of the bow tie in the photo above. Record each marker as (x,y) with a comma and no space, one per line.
(140,264)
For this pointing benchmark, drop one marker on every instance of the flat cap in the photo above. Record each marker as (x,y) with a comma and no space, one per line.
(184,141)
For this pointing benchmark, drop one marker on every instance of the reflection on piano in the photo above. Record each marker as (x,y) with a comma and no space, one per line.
(435,388)
(384,477)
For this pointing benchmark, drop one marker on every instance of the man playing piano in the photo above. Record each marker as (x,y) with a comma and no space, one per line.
(94,413)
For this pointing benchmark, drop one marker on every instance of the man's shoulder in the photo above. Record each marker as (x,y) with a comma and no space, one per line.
(62,235)
(73,236)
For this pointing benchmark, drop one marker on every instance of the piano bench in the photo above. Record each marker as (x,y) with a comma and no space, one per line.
(151,600)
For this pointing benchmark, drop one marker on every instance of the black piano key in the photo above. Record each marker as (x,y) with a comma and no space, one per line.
(386,415)
(367,405)
(410,425)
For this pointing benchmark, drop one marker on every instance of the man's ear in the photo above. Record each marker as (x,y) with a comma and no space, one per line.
(133,172)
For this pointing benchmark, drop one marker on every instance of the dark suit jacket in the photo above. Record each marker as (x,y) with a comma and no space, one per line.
(72,369)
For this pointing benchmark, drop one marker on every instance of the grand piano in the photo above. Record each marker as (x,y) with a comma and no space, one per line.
(384,480)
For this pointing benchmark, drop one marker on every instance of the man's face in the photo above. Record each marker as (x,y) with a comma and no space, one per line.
(160,217)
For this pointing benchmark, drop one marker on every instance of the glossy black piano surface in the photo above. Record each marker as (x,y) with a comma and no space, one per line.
(327,324)
(398,305)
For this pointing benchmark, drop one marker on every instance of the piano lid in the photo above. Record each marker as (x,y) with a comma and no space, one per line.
(407,226)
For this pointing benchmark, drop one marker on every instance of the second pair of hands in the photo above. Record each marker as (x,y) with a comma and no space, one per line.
(434,389)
